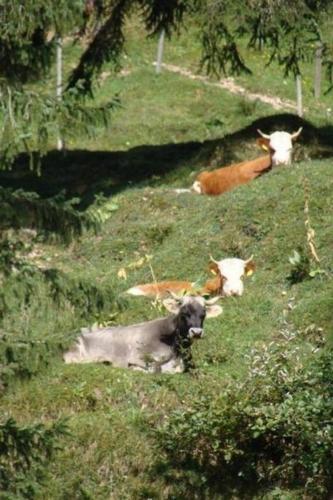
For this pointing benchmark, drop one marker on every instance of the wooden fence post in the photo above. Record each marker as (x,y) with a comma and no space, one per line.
(60,143)
(160,48)
(318,66)
(299,99)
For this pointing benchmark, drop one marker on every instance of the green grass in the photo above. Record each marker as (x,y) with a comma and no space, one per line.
(167,130)
(107,408)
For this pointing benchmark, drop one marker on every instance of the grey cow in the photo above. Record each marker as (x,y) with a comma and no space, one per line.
(161,345)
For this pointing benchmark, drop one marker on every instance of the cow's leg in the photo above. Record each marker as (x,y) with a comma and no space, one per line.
(77,354)
(175,365)
(137,367)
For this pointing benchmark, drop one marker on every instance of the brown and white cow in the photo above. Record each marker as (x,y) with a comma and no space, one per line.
(279,147)
(228,281)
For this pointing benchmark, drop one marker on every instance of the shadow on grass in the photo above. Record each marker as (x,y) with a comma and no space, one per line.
(188,480)
(84,173)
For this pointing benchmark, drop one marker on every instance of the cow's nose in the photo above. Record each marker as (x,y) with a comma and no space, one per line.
(282,160)
(233,293)
(195,332)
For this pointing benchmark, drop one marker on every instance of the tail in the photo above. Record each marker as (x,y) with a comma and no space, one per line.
(182,190)
(139,290)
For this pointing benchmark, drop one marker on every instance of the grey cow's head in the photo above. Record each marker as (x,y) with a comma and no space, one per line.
(191,312)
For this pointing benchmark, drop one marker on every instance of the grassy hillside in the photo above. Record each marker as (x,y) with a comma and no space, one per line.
(168,130)
(108,409)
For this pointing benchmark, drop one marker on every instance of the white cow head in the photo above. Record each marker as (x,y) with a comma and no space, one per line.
(279,144)
(232,272)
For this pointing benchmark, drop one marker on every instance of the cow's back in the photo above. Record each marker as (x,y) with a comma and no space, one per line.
(126,346)
(221,180)
(224,179)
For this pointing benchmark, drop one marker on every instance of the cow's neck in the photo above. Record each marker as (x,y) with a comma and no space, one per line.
(167,330)
(177,340)
(263,163)
(171,332)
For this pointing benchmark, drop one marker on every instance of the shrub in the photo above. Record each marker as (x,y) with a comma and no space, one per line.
(275,429)
(36,307)
(55,216)
(24,455)
(300,269)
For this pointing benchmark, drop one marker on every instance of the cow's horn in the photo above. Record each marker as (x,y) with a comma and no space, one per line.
(213,260)
(296,134)
(212,301)
(175,296)
(247,261)
(266,136)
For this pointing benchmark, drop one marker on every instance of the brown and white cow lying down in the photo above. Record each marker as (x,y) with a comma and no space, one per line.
(227,282)
(279,146)
(161,345)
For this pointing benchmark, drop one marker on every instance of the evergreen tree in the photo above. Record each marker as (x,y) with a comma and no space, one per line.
(288,29)
(29,31)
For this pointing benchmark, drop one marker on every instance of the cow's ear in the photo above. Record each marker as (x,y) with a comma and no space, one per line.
(263,143)
(172,305)
(213,311)
(213,267)
(250,267)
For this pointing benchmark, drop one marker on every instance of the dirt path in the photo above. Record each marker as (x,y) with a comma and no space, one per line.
(230,85)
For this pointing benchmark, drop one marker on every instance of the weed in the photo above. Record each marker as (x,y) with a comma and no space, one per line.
(247,107)
(157,233)
(300,267)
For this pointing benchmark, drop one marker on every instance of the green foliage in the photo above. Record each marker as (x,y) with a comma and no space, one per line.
(275,428)
(23,350)
(328,64)
(108,43)
(220,51)
(26,51)
(30,120)
(300,267)
(51,217)
(111,411)
(9,259)
(287,30)
(25,451)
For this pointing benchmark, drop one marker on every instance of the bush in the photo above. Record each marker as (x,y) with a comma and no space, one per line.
(36,307)
(24,455)
(275,429)
(53,217)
